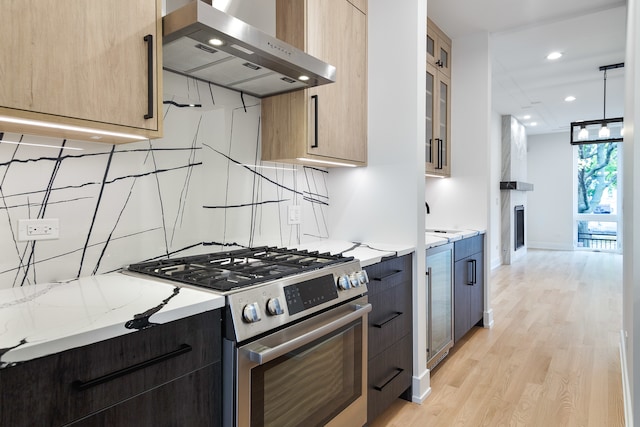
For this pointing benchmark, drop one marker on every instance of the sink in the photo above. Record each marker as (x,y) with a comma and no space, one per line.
(450,233)
(443,231)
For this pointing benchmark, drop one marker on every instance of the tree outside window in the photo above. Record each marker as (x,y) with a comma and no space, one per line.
(597,194)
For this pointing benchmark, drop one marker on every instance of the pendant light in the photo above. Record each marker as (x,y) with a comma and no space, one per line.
(604,130)
(584,132)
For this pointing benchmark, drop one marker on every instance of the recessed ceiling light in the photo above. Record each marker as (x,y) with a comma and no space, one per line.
(554,55)
(570,98)
(533,124)
(527,117)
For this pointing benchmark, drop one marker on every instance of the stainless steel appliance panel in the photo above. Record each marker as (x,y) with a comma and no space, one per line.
(439,263)
(311,373)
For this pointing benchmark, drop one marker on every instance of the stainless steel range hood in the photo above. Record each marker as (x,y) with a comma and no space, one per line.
(248,60)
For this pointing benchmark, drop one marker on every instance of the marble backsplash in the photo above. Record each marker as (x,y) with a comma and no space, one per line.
(200,188)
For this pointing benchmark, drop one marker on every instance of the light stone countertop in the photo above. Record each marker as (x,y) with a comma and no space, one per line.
(366,253)
(44,319)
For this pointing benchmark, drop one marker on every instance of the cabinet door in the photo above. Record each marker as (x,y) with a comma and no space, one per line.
(80,59)
(443,146)
(438,48)
(438,123)
(462,299)
(337,34)
(326,123)
(430,120)
(476,291)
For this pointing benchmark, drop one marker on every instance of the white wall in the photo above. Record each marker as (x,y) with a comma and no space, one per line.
(550,166)
(494,191)
(384,202)
(462,200)
(631,212)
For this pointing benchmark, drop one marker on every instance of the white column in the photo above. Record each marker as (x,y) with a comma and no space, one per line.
(384,202)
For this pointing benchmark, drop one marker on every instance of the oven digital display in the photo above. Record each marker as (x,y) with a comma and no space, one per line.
(305,295)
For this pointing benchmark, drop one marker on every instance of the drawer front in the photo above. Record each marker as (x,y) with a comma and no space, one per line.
(389,377)
(387,274)
(81,381)
(476,244)
(200,405)
(467,247)
(390,318)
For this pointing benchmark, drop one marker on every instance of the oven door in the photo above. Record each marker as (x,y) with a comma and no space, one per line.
(313,373)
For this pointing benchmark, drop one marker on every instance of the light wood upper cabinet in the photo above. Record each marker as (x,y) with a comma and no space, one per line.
(83,63)
(438,113)
(326,123)
(438,48)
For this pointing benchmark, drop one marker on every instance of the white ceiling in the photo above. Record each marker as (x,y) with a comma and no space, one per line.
(589,33)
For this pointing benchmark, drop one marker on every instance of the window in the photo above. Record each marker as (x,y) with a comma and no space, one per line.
(597,202)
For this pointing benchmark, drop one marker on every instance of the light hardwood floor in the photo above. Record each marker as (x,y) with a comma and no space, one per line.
(551,358)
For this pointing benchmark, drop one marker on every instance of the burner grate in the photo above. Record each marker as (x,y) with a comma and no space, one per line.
(225,271)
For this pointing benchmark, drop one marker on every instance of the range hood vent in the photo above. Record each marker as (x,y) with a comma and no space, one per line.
(248,60)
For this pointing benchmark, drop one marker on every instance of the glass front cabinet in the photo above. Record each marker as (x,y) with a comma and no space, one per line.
(438,99)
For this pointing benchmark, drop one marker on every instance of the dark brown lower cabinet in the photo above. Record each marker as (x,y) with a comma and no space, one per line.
(186,401)
(390,333)
(165,375)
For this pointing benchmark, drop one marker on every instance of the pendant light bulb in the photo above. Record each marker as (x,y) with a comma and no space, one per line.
(583,134)
(604,132)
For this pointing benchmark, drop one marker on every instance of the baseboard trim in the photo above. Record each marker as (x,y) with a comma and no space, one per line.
(495,263)
(551,246)
(487,319)
(626,391)
(421,387)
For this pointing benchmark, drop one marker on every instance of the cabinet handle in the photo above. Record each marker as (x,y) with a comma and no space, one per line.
(475,278)
(149,40)
(315,119)
(386,276)
(395,315)
(84,385)
(430,150)
(471,272)
(439,165)
(391,377)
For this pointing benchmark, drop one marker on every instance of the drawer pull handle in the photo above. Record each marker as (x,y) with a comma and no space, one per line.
(315,119)
(392,377)
(149,40)
(471,272)
(84,385)
(386,276)
(393,316)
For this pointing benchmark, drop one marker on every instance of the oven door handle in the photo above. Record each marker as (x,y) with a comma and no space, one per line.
(267,354)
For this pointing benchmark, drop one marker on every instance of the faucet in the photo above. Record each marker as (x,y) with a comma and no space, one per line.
(427,206)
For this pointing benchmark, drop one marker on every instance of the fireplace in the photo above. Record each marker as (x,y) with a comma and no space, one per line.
(518,223)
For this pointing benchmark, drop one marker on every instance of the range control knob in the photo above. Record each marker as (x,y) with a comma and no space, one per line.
(362,276)
(251,313)
(354,280)
(344,282)
(273,307)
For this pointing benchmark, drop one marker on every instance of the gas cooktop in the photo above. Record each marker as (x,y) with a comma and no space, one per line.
(226,271)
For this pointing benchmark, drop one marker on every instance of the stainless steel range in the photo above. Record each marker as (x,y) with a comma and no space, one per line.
(295,335)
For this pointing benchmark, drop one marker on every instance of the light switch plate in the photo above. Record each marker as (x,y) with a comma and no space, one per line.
(294,215)
(38,229)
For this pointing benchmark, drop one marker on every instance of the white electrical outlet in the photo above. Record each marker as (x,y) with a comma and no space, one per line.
(294,215)
(38,229)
